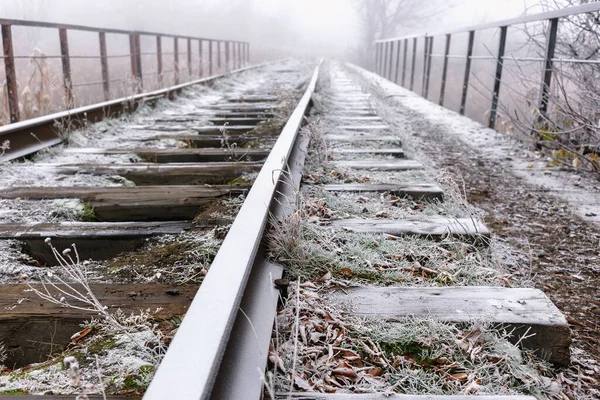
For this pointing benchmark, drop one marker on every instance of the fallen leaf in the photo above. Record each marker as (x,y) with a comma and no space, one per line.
(347,372)
(302,384)
(80,335)
(459,376)
(326,277)
(573,321)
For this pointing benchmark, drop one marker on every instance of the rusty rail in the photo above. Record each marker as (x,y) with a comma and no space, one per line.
(135,53)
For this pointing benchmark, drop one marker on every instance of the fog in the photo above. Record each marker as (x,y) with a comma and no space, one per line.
(312,27)
(274,28)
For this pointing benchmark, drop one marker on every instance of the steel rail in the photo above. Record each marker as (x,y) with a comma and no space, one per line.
(32,135)
(563,12)
(196,363)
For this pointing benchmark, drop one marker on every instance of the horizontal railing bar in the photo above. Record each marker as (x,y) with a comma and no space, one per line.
(87,83)
(563,12)
(32,57)
(482,57)
(40,24)
(572,61)
(119,56)
(511,58)
(449,56)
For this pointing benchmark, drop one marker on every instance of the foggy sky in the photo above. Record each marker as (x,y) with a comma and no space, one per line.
(317,26)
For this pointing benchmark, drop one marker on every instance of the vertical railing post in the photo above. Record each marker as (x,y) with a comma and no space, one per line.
(380,63)
(189,58)
(385,59)
(498,78)
(548,68)
(397,61)
(248,52)
(425,51)
(104,65)
(201,60)
(404,58)
(412,67)
(376,61)
(391,59)
(227,59)
(445,69)
(429,57)
(210,58)
(176,60)
(463,101)
(219,55)
(11,74)
(234,54)
(159,63)
(136,64)
(66,66)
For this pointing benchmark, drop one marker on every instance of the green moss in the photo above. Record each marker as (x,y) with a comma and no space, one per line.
(79,356)
(88,214)
(147,369)
(239,181)
(251,144)
(161,256)
(14,392)
(132,382)
(140,380)
(100,346)
(406,349)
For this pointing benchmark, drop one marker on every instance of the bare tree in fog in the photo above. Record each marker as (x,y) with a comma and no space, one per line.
(386,18)
(571,127)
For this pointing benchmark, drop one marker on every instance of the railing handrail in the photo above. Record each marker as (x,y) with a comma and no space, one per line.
(236,53)
(384,51)
(41,24)
(563,12)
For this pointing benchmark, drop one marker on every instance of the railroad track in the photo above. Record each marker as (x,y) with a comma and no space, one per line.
(222,346)
(138,198)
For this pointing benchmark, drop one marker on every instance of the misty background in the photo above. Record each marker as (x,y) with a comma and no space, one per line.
(310,27)
(274,28)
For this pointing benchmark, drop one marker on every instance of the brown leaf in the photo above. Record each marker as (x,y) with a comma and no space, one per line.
(459,376)
(302,383)
(277,361)
(80,335)
(326,277)
(573,321)
(347,372)
(377,371)
(347,272)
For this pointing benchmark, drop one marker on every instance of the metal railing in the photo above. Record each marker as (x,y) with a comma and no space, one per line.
(384,54)
(237,54)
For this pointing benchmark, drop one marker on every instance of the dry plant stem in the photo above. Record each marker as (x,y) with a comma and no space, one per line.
(297,329)
(77,276)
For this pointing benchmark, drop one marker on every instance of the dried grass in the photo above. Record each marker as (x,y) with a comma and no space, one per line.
(413,356)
